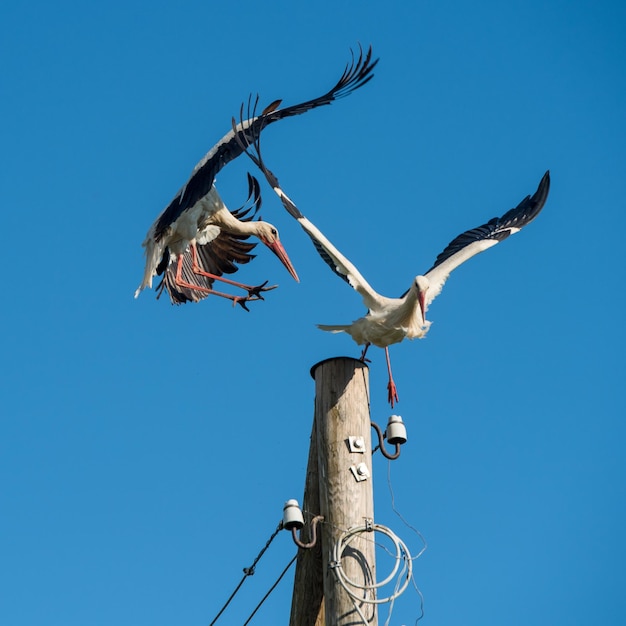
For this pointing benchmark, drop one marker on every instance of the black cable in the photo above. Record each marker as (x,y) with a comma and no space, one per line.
(248,571)
(258,606)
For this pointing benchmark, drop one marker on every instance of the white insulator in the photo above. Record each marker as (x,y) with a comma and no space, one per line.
(396,430)
(292,515)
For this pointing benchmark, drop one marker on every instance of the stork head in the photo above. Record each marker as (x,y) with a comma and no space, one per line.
(268,234)
(421,285)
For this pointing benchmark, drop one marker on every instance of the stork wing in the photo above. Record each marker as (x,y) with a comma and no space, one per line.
(473,241)
(356,74)
(337,262)
(218,256)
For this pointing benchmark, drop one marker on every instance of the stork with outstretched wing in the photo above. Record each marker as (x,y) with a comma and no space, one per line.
(197,216)
(390,320)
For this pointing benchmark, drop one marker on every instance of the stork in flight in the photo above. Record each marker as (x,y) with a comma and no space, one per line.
(206,260)
(196,236)
(390,320)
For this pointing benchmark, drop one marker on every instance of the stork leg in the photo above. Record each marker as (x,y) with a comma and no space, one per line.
(241,300)
(362,357)
(254,293)
(392,391)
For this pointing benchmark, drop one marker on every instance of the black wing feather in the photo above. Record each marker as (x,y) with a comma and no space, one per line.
(500,227)
(327,258)
(356,74)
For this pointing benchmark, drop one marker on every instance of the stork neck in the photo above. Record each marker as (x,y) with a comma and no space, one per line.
(227,222)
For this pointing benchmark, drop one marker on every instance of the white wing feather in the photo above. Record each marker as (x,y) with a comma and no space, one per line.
(343,265)
(438,275)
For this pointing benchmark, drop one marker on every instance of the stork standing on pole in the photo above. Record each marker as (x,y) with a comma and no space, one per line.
(197,216)
(390,320)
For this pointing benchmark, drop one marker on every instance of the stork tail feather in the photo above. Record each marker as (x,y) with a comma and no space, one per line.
(334,328)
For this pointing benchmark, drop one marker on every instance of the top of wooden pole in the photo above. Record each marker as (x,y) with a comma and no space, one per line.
(336,358)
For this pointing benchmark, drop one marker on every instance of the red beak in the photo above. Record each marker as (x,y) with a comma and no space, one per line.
(422,302)
(279,251)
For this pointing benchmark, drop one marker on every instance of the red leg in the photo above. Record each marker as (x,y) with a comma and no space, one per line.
(252,291)
(392,392)
(235,299)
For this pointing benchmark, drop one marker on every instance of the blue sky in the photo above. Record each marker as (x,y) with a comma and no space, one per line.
(146,450)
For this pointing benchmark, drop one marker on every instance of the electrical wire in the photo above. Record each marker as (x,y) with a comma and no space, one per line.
(266,596)
(248,571)
(404,575)
(402,555)
(417,532)
(395,510)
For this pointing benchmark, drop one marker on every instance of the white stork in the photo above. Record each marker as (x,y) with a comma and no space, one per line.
(390,320)
(200,263)
(196,237)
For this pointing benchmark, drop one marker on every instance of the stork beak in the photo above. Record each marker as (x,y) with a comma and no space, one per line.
(277,248)
(422,303)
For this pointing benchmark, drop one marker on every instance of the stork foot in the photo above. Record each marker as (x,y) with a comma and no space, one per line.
(242,300)
(362,357)
(256,291)
(392,393)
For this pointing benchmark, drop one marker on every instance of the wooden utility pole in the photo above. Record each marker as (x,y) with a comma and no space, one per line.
(307,604)
(339,487)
